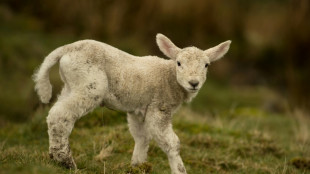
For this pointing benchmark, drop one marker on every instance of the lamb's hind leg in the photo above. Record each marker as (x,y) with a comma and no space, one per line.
(141,137)
(61,119)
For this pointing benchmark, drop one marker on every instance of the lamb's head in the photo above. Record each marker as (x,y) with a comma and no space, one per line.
(191,63)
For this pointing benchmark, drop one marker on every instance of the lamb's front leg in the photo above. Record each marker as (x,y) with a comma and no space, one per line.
(141,137)
(160,127)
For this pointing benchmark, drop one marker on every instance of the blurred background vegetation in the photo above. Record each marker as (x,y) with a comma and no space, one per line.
(270,49)
(251,116)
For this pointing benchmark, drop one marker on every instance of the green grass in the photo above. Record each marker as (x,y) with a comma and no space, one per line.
(226,129)
(242,141)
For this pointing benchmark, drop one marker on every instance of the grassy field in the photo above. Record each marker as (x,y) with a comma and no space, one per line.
(226,129)
(219,133)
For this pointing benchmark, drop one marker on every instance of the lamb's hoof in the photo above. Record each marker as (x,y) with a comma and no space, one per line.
(67,162)
(51,156)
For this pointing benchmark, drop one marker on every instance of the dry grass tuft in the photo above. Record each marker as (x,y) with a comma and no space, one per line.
(302,130)
(104,153)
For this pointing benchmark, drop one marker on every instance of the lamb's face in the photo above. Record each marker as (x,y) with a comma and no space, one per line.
(191,68)
(191,63)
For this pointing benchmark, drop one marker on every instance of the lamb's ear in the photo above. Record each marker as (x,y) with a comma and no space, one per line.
(217,52)
(166,46)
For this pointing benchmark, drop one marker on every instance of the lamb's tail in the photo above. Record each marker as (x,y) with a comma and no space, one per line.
(43,86)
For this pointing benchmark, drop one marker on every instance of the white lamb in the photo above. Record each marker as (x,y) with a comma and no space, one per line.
(149,89)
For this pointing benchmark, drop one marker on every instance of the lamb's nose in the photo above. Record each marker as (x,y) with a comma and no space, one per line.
(194,83)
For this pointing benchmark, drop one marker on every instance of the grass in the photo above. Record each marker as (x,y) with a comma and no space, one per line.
(243,139)
(226,129)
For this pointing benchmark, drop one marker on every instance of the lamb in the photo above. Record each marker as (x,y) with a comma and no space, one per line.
(149,89)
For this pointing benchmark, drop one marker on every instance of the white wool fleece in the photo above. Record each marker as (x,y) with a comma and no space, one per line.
(148,88)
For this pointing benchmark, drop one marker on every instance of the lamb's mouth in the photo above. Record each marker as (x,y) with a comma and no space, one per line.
(193,90)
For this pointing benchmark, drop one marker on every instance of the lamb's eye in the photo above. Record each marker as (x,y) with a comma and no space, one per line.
(179,64)
(206,65)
